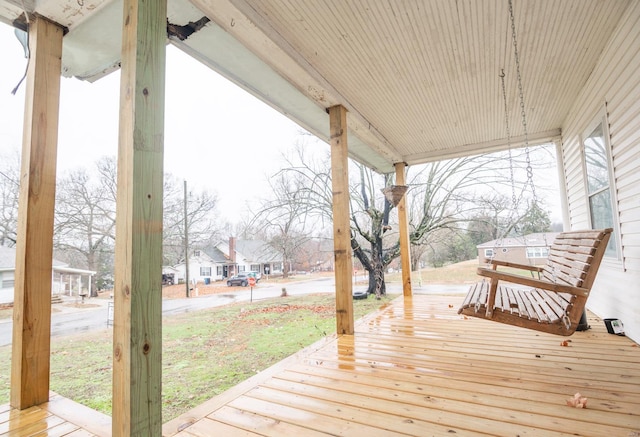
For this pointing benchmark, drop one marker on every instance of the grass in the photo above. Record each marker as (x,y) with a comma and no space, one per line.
(204,352)
(459,273)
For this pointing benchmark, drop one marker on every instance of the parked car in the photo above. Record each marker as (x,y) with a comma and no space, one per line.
(168,279)
(240,279)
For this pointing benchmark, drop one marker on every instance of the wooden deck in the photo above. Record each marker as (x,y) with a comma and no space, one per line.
(414,368)
(417,368)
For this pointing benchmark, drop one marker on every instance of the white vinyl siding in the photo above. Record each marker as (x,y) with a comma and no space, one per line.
(615,85)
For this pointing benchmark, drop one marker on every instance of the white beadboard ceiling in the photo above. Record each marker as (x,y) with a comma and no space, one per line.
(420,78)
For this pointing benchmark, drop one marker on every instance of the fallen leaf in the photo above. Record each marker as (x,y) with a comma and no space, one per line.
(577,401)
(564,343)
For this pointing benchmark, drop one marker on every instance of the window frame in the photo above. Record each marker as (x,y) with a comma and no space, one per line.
(537,252)
(204,270)
(603,120)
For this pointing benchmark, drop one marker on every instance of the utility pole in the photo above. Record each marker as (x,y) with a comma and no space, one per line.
(186,243)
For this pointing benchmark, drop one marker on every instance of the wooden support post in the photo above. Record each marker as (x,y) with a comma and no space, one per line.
(34,248)
(562,186)
(403,223)
(137,341)
(341,220)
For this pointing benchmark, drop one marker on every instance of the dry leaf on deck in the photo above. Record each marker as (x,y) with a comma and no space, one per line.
(577,401)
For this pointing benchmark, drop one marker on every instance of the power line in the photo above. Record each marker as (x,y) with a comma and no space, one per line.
(9,179)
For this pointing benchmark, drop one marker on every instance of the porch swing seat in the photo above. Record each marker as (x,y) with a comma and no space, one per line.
(555,301)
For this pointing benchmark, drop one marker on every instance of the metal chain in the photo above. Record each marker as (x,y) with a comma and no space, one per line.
(534,197)
(522,110)
(514,200)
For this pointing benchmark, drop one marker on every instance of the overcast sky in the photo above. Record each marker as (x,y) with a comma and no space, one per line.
(217,136)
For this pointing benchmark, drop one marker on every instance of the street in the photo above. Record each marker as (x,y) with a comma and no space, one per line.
(76,320)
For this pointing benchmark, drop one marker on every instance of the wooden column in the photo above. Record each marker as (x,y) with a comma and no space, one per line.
(34,248)
(403,223)
(137,341)
(562,186)
(341,220)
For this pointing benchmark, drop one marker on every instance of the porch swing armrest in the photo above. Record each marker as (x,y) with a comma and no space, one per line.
(496,262)
(532,282)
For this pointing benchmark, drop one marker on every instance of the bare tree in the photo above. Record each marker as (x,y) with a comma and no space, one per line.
(283,219)
(491,219)
(84,232)
(442,196)
(9,193)
(84,227)
(202,223)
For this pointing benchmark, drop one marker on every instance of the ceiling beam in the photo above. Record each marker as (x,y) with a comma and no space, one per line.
(535,139)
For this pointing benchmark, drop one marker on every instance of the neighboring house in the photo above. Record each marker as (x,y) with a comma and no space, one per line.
(251,255)
(65,280)
(531,249)
(227,259)
(258,256)
(204,265)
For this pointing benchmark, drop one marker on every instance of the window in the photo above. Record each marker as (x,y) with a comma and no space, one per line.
(205,271)
(537,252)
(240,268)
(196,253)
(219,271)
(488,253)
(598,180)
(255,267)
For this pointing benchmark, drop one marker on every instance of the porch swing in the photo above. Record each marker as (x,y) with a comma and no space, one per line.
(554,301)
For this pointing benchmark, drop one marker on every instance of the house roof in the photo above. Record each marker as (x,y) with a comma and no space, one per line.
(540,239)
(8,260)
(420,79)
(216,255)
(257,251)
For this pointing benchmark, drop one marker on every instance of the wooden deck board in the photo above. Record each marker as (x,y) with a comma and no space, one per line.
(58,417)
(410,369)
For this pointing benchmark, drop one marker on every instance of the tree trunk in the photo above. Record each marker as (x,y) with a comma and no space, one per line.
(377,285)
(285,266)
(92,264)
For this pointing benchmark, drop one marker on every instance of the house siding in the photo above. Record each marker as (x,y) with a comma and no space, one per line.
(615,85)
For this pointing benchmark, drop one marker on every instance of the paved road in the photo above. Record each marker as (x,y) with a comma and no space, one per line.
(69,320)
